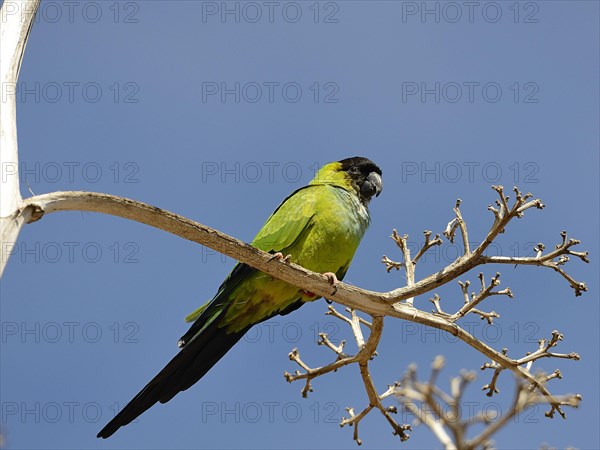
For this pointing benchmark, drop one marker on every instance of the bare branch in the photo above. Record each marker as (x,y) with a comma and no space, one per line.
(450,230)
(389,264)
(367,351)
(428,244)
(442,412)
(536,382)
(487,316)
(436,299)
(373,303)
(409,264)
(463,227)
(485,292)
(544,346)
(561,251)
(337,349)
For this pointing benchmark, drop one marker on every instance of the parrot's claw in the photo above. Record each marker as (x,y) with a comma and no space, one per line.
(279,256)
(332,278)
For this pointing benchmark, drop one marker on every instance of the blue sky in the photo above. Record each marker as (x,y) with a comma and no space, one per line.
(218,115)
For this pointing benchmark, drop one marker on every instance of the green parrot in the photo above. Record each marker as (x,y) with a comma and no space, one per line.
(320,226)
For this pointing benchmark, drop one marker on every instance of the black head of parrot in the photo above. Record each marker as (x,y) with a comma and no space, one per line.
(365,177)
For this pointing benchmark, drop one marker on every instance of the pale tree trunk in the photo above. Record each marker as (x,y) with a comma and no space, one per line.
(16,20)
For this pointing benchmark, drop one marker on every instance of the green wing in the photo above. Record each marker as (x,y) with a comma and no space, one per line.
(288,222)
(279,232)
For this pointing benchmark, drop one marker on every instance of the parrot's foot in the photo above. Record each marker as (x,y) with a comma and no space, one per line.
(332,278)
(279,256)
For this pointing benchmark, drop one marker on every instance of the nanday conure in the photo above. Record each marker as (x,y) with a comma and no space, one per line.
(320,226)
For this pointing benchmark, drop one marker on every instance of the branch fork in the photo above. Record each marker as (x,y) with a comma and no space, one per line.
(539,380)
(366,352)
(441,411)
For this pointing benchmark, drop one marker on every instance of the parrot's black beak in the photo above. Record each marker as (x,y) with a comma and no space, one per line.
(372,186)
(377,182)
